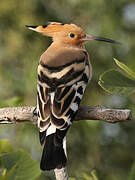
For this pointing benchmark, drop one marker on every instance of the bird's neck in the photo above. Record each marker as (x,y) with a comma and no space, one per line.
(69,46)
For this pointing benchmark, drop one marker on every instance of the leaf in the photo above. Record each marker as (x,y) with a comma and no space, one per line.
(23,166)
(126,69)
(8,174)
(87,177)
(5,146)
(93,173)
(92,176)
(115,82)
(132,173)
(3,175)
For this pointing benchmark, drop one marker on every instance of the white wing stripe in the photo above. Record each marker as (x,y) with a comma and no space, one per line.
(51,130)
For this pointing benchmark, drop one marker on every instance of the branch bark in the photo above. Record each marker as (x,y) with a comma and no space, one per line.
(11,115)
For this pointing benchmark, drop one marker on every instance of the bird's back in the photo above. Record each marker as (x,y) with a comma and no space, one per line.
(60,72)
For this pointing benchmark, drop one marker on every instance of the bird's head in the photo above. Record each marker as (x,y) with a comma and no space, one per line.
(69,34)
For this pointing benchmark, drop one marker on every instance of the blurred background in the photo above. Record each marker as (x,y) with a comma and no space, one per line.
(107,148)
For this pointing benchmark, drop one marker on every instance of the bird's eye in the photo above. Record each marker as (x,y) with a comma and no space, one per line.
(72,35)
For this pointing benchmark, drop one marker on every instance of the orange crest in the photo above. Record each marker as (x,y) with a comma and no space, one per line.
(67,33)
(54,27)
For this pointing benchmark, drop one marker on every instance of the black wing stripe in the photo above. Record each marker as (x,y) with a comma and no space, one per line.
(80,90)
(44,79)
(67,75)
(68,101)
(42,92)
(40,105)
(59,68)
(42,137)
(64,126)
(44,123)
(54,82)
(56,121)
(65,91)
(71,114)
(77,100)
(66,78)
(85,78)
(38,114)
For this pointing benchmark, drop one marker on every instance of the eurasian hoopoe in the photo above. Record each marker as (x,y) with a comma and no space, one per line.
(64,71)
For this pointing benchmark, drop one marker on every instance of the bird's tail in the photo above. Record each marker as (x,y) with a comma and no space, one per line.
(54,152)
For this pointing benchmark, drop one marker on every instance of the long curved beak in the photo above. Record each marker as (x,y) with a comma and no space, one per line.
(98,38)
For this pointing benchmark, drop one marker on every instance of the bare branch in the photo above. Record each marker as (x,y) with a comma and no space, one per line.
(104,114)
(12,115)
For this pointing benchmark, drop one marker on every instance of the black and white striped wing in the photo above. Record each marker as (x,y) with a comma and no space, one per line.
(67,100)
(43,107)
(60,91)
(66,104)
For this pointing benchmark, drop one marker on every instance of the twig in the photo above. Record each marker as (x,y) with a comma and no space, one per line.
(13,115)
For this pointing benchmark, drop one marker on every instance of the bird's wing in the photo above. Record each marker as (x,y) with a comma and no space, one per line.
(43,107)
(60,90)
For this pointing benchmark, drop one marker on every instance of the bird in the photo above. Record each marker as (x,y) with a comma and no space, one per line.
(64,71)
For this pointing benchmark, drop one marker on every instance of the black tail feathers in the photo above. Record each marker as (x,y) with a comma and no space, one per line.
(42,137)
(53,155)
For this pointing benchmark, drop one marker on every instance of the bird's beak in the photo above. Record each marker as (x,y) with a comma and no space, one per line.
(97,38)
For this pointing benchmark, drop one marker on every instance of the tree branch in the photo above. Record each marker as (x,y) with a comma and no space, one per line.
(13,115)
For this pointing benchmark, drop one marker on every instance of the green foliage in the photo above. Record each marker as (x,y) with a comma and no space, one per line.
(126,69)
(132,173)
(115,82)
(17,165)
(5,146)
(85,176)
(92,176)
(14,101)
